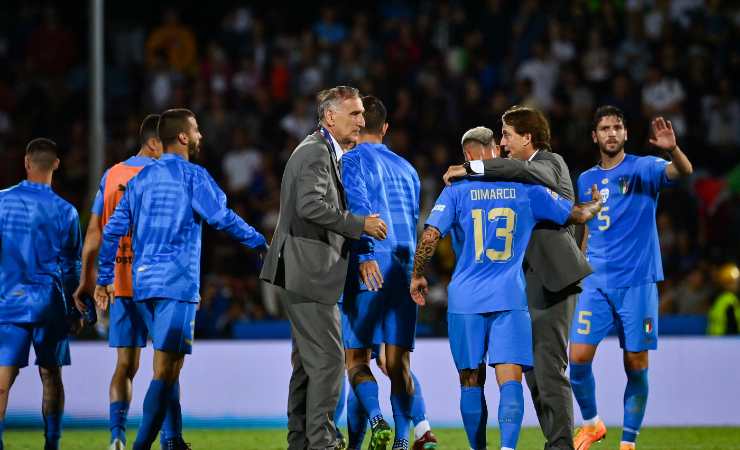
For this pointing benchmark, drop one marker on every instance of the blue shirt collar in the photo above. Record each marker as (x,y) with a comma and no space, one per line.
(171,156)
(37,186)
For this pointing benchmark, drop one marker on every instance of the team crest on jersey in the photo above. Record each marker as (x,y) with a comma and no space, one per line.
(605,181)
(439,208)
(604,195)
(648,325)
(624,185)
(552,193)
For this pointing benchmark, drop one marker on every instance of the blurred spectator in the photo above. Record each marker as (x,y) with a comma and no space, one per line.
(301,120)
(175,41)
(241,164)
(724,315)
(663,96)
(51,47)
(691,296)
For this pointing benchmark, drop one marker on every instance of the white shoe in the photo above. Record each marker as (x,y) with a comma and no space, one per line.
(117,444)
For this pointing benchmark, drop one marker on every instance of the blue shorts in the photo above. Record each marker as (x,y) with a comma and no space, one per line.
(127,327)
(385,316)
(171,323)
(502,337)
(632,311)
(50,343)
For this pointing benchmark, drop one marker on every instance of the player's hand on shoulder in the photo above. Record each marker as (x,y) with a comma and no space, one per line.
(419,290)
(453,173)
(370,274)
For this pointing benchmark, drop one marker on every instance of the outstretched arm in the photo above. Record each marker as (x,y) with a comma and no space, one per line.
(424,252)
(541,172)
(583,212)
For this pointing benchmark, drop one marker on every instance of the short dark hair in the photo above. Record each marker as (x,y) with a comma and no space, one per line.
(42,152)
(148,128)
(331,97)
(606,111)
(375,115)
(173,122)
(529,120)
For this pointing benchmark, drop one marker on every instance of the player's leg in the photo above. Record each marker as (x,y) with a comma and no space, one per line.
(171,325)
(397,360)
(51,344)
(356,421)
(468,343)
(592,320)
(15,343)
(510,352)
(399,335)
(638,314)
(360,325)
(424,439)
(127,334)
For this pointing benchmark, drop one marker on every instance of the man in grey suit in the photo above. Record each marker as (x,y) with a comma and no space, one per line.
(553,266)
(307,261)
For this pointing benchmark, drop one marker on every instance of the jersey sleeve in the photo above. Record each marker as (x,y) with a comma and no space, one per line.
(652,173)
(71,254)
(209,202)
(547,205)
(98,202)
(442,216)
(358,201)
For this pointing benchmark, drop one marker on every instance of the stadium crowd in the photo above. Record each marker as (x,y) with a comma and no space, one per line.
(250,74)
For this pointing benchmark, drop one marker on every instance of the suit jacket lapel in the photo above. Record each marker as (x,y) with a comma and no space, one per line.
(335,165)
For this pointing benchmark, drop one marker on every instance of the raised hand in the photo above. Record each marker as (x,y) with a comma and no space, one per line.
(663,136)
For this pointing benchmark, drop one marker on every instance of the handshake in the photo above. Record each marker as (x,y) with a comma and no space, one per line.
(375,227)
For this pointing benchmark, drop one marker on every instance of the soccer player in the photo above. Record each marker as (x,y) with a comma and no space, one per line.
(40,245)
(622,246)
(357,419)
(165,206)
(376,307)
(488,321)
(127,331)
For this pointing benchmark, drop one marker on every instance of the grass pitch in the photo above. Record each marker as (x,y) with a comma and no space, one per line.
(450,439)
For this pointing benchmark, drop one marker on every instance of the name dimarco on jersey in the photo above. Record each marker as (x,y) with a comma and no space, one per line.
(493,194)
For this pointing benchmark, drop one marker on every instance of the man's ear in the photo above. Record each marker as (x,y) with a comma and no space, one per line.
(593,136)
(56,164)
(385,129)
(183,138)
(27,163)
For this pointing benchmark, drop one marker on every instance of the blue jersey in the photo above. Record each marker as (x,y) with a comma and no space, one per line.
(491,224)
(40,248)
(163,208)
(623,246)
(376,180)
(99,201)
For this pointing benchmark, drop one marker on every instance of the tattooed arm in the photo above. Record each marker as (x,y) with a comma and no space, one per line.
(424,252)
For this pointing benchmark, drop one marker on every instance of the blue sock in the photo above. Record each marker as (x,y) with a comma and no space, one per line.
(117,420)
(356,421)
(341,403)
(52,430)
(172,425)
(367,393)
(635,400)
(155,408)
(584,389)
(510,412)
(418,408)
(401,405)
(475,415)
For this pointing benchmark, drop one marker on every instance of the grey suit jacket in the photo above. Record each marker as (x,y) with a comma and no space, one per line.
(309,250)
(552,251)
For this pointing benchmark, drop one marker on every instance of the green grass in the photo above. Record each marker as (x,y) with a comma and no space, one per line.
(450,439)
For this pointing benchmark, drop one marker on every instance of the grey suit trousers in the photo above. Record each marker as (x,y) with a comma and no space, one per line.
(318,368)
(548,382)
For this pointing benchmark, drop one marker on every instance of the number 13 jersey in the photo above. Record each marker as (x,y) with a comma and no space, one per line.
(490,224)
